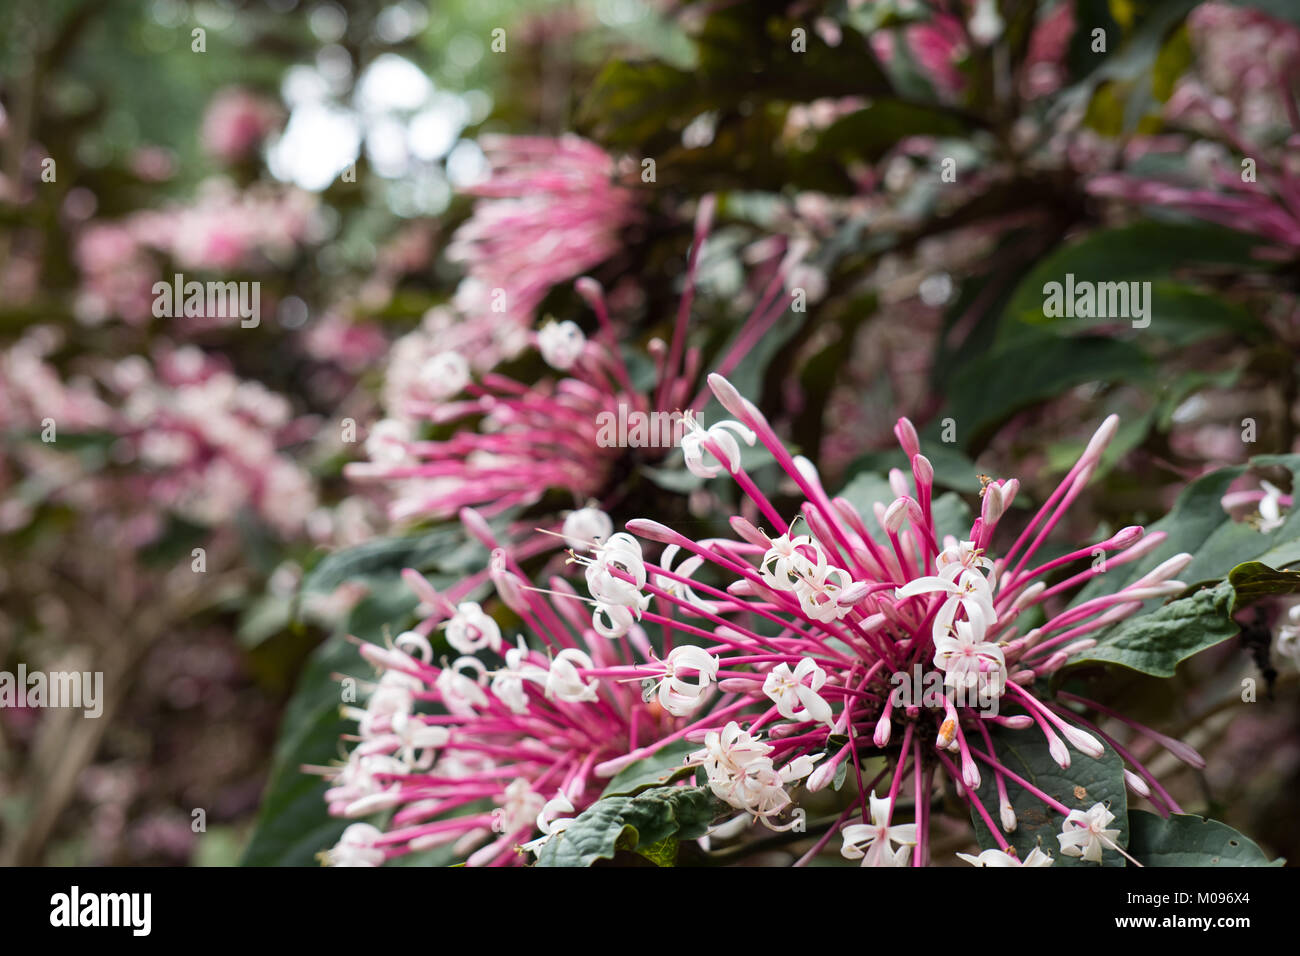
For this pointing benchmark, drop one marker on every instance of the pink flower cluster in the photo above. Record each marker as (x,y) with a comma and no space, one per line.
(554,209)
(236,123)
(224,229)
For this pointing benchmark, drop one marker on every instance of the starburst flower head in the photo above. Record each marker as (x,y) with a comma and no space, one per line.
(809,631)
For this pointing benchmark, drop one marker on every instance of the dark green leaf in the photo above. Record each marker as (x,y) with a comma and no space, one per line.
(1255,580)
(1156,643)
(659,770)
(614,823)
(1085,782)
(1188,840)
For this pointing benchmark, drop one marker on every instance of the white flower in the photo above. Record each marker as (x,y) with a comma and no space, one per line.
(985,23)
(991,857)
(721,435)
(1288,640)
(392,696)
(795,694)
(387,440)
(358,789)
(585,527)
(680,589)
(356,847)
(460,694)
(1270,508)
(614,620)
(618,601)
(622,553)
(416,741)
(966,588)
(519,808)
(874,843)
(788,561)
(561,343)
(964,555)
(678,695)
(508,683)
(550,821)
(737,766)
(820,590)
(740,772)
(1084,833)
(470,629)
(563,680)
(967,660)
(444,375)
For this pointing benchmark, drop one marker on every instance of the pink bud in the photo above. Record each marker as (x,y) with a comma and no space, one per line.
(1136,784)
(898,483)
(1016,721)
(476,525)
(896,515)
(1027,597)
(1166,569)
(728,395)
(922,471)
(1058,751)
(822,777)
(1141,548)
(653,531)
(854,593)
(1009,489)
(883,730)
(991,509)
(1083,742)
(1100,439)
(747,531)
(1126,536)
(905,431)
(591,291)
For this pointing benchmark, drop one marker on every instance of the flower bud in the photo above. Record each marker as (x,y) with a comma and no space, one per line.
(896,515)
(1100,439)
(478,528)
(1060,753)
(905,431)
(922,471)
(1083,742)
(653,531)
(883,729)
(1136,784)
(1027,597)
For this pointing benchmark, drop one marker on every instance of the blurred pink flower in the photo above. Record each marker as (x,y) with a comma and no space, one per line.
(551,210)
(236,122)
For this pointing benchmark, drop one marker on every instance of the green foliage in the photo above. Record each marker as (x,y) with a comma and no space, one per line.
(659,770)
(1184,839)
(642,822)
(1087,781)
(1156,643)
